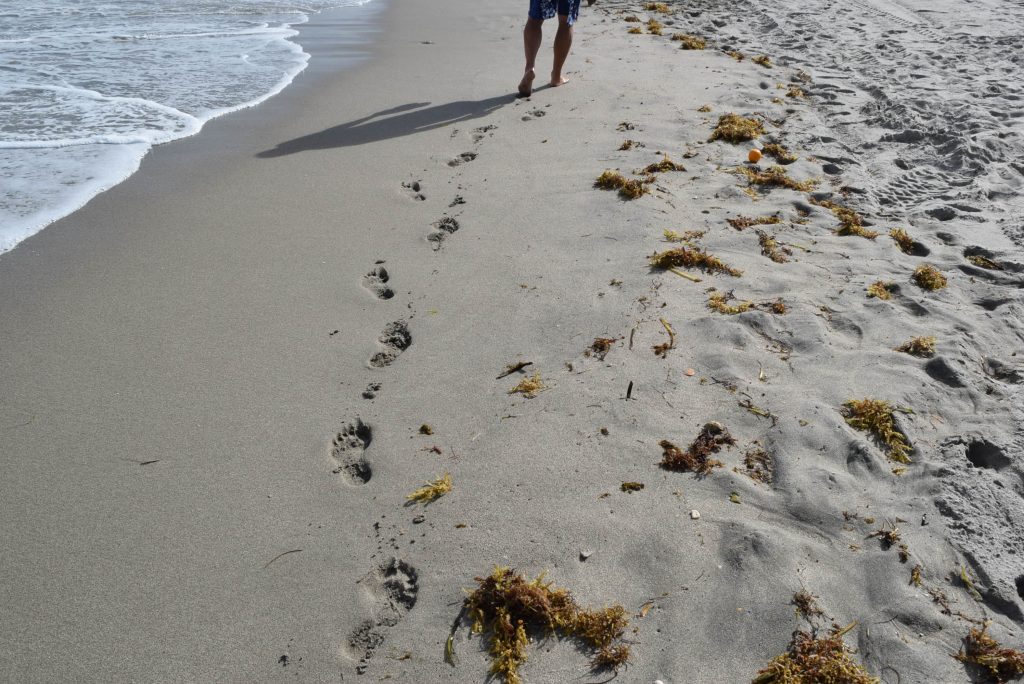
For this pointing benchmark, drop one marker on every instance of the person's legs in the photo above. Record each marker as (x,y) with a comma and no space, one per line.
(532,37)
(563,41)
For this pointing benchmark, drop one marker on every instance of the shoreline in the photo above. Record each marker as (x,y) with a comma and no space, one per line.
(337,55)
(219,372)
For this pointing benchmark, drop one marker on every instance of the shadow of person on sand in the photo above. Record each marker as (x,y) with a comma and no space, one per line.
(400,121)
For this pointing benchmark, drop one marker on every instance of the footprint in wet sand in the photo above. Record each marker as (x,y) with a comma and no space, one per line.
(482,132)
(376,282)
(442,229)
(347,449)
(395,338)
(415,190)
(462,158)
(535,114)
(394,587)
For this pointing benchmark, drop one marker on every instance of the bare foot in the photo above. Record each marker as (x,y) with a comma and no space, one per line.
(558,80)
(526,85)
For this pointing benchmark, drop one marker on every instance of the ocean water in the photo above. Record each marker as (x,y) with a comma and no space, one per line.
(88,87)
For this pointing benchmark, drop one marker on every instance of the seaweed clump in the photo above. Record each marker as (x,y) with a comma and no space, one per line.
(770,248)
(980,649)
(876,416)
(654,27)
(763,60)
(432,491)
(807,605)
(744,222)
(511,608)
(657,7)
(692,258)
(779,153)
(928,277)
(529,387)
(719,301)
(665,164)
(697,458)
(850,222)
(984,262)
(903,240)
(688,237)
(688,42)
(629,188)
(882,289)
(795,91)
(923,347)
(736,129)
(811,660)
(635,29)
(776,176)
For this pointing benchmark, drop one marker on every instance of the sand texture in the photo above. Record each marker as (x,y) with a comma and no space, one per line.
(224,378)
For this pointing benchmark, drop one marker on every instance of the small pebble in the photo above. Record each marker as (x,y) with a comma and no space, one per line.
(585,554)
(418,519)
(695,514)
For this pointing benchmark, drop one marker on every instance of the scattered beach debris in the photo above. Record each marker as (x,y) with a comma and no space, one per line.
(510,608)
(810,659)
(892,537)
(763,60)
(980,649)
(704,109)
(426,429)
(736,129)
(735,497)
(636,30)
(736,54)
(882,289)
(626,145)
(876,417)
(744,222)
(771,248)
(903,240)
(692,258)
(630,487)
(688,42)
(754,156)
(631,19)
(923,347)
(776,177)
(654,27)
(928,277)
(697,458)
(432,490)
(759,465)
(795,91)
(600,347)
(915,575)
(513,368)
(663,348)
(529,387)
(806,605)
(658,7)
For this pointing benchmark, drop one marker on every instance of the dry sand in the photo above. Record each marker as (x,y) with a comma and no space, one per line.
(214,375)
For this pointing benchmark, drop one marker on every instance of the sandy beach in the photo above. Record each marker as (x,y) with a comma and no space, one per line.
(223,378)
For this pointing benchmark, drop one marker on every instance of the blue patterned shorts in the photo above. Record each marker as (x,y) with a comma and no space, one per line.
(546,9)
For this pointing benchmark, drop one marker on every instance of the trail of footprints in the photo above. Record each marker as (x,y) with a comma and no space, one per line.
(394,585)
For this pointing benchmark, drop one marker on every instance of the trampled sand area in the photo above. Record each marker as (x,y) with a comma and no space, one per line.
(223,378)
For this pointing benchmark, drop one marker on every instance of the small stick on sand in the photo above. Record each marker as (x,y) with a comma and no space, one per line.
(513,367)
(685,275)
